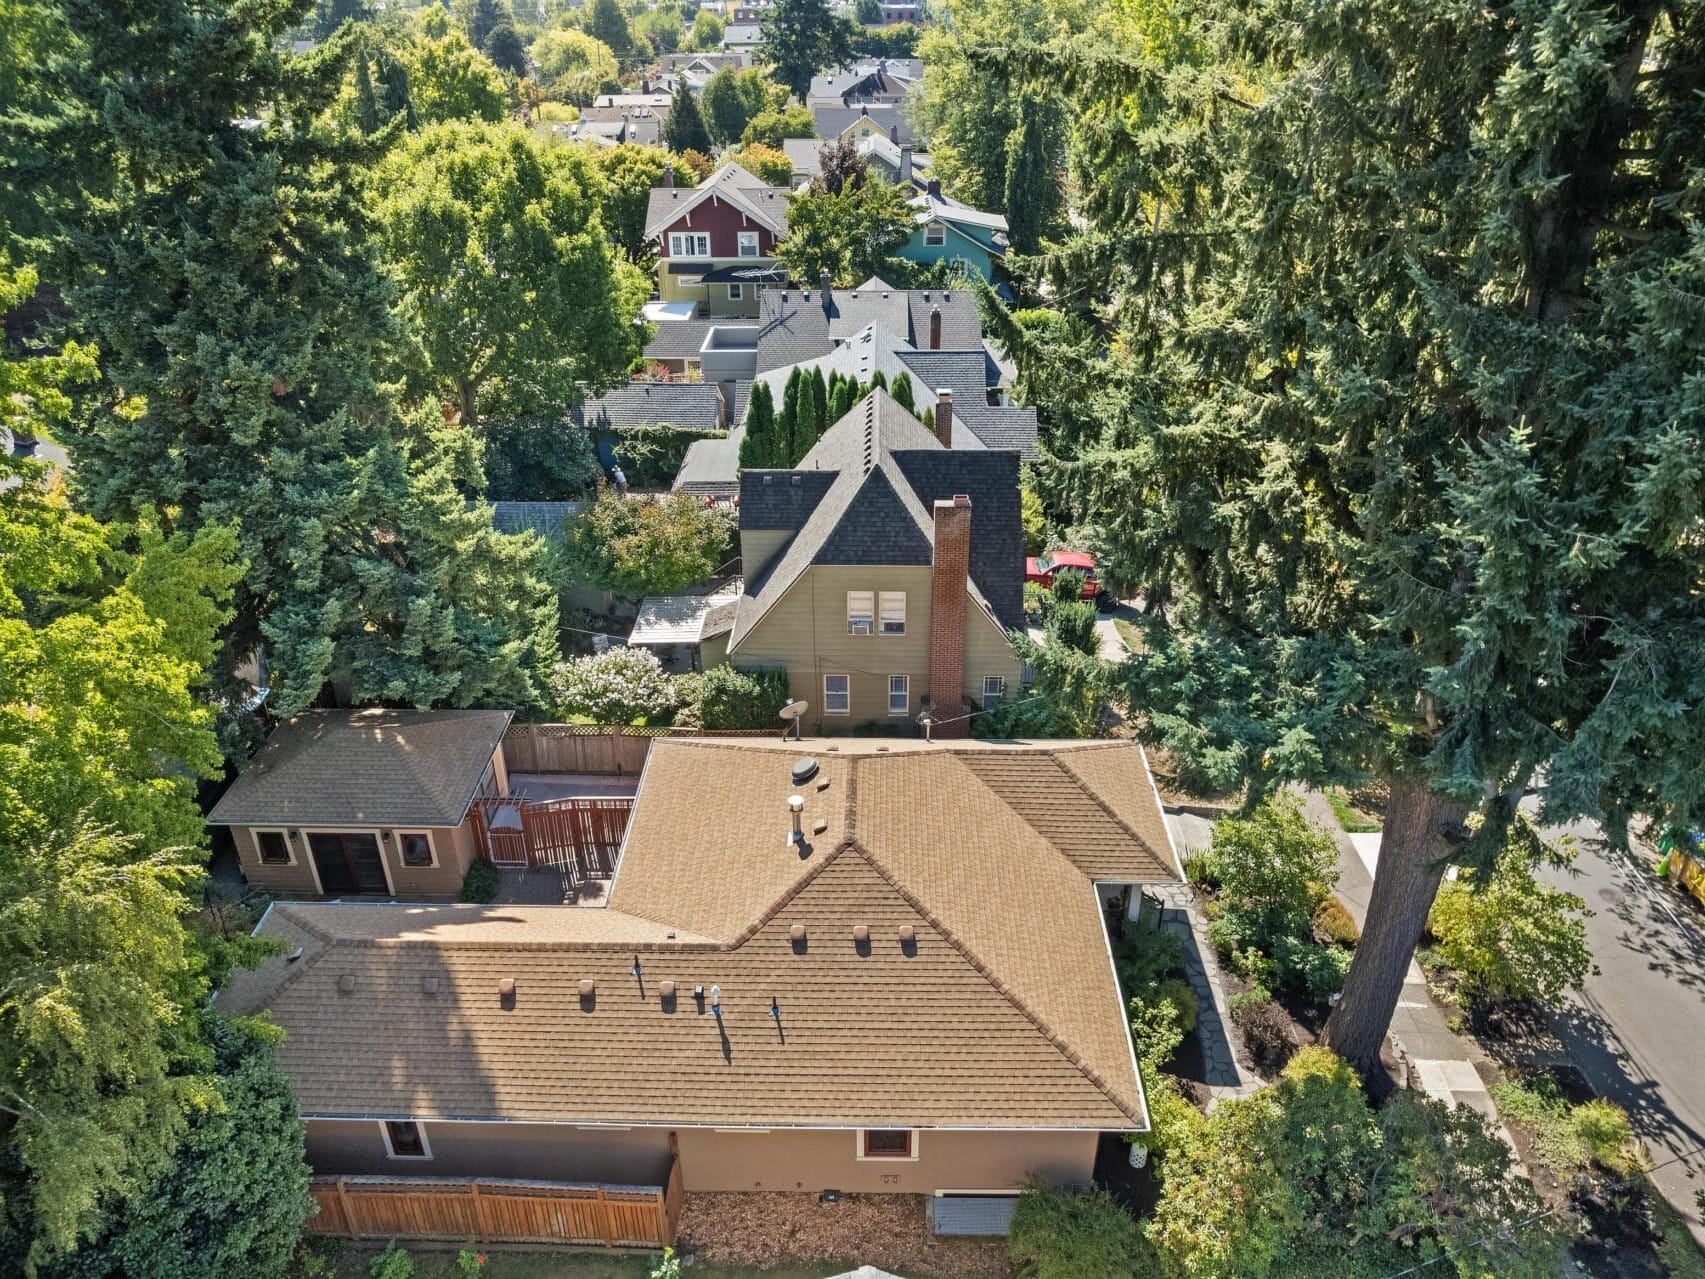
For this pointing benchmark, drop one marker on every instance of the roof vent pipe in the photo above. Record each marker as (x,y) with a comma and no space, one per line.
(795,806)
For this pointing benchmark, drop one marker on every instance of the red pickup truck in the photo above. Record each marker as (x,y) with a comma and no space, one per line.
(1043,569)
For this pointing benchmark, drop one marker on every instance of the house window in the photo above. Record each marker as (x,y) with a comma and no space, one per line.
(893,612)
(899,694)
(734,292)
(748,244)
(861,612)
(837,694)
(887,1143)
(689,244)
(935,234)
(274,848)
(994,688)
(404,1139)
(416,848)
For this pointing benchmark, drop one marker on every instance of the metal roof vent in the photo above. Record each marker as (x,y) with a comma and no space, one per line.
(804,769)
(346,983)
(506,988)
(666,989)
(908,933)
(796,933)
(293,956)
(861,933)
(429,985)
(588,988)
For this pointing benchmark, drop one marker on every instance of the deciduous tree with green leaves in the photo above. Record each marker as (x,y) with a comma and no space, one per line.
(802,38)
(507,280)
(1392,357)
(572,65)
(448,78)
(630,171)
(638,546)
(852,235)
(730,100)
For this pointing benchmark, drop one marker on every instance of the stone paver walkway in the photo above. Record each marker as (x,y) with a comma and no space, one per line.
(1222,1074)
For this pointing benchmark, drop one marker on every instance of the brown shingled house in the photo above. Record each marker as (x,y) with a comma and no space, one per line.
(904,986)
(366,802)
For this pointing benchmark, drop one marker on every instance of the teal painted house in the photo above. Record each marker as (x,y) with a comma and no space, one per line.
(947,231)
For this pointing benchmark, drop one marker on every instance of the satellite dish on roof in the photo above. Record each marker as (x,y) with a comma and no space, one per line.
(795,711)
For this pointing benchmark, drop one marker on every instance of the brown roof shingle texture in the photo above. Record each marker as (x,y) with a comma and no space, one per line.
(366,768)
(1004,1012)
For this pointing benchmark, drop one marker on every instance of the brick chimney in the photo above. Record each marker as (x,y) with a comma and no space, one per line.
(949,577)
(944,416)
(823,286)
(668,175)
(894,134)
(905,163)
(935,328)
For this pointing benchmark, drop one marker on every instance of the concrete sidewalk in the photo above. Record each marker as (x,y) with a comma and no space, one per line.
(1441,1063)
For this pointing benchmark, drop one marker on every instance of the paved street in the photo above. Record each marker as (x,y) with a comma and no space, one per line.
(1637,1031)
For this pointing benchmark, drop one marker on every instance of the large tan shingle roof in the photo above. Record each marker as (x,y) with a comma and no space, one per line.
(366,768)
(1005,1012)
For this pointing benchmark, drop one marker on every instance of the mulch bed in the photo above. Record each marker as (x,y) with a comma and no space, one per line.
(887,1231)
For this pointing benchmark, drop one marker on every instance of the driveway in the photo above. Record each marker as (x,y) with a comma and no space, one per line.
(1637,1029)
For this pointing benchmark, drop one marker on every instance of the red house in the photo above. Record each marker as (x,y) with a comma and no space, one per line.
(716,242)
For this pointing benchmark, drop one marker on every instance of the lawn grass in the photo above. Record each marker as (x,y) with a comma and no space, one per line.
(1129,635)
(1352,819)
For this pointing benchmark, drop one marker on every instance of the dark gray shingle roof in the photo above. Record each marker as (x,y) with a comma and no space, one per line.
(833,121)
(677,339)
(693,406)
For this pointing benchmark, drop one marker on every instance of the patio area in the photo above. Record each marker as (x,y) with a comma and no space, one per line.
(551,885)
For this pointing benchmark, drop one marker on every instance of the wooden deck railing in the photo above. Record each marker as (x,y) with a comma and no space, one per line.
(498,1211)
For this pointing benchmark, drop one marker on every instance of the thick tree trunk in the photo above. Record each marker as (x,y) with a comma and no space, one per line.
(1411,864)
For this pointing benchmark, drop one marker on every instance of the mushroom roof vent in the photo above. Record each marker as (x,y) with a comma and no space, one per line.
(804,769)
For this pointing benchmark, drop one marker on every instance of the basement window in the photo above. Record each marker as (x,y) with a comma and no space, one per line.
(404,1139)
(887,1143)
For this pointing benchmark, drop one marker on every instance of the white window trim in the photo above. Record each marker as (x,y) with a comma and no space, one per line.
(882,610)
(999,697)
(384,862)
(906,683)
(419,1127)
(747,238)
(858,1147)
(255,832)
(935,235)
(736,293)
(431,846)
(830,710)
(682,244)
(866,615)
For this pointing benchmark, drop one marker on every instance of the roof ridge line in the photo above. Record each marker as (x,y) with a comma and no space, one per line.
(1102,804)
(793,890)
(989,975)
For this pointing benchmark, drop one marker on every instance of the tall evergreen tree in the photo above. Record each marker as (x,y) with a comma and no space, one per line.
(819,407)
(1032,188)
(802,38)
(685,129)
(505,49)
(902,393)
(606,22)
(223,265)
(757,445)
(786,422)
(1398,425)
(483,19)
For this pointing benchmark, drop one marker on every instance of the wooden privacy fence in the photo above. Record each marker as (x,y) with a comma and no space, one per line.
(595,748)
(495,1211)
(581,837)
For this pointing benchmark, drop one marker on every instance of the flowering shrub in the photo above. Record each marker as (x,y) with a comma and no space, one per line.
(617,686)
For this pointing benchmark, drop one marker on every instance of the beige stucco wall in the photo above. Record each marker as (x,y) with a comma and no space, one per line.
(825,1160)
(547,1152)
(806,631)
(711,1160)
(454,849)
